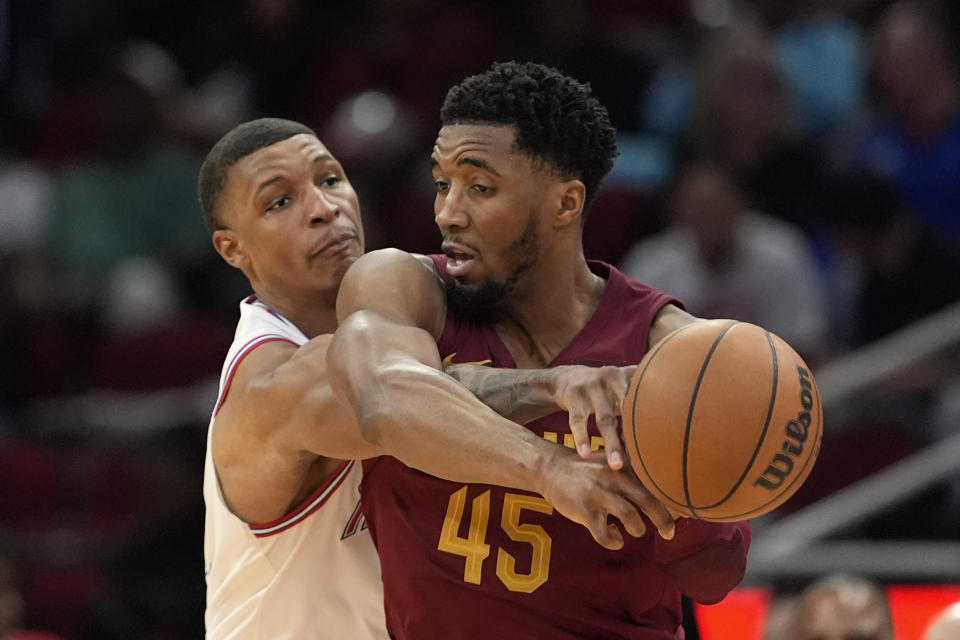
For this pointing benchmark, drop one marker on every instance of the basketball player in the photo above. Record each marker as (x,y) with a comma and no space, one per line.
(520,153)
(287,552)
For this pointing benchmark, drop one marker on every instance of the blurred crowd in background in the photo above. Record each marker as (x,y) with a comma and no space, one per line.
(792,164)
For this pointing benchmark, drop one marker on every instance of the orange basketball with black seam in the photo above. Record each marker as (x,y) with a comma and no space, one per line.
(722,421)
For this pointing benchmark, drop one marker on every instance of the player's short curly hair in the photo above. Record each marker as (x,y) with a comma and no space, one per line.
(236,144)
(557,118)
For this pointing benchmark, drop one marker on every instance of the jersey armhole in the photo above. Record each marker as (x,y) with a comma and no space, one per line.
(244,351)
(310,505)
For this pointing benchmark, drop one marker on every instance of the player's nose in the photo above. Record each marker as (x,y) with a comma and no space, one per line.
(449,214)
(322,208)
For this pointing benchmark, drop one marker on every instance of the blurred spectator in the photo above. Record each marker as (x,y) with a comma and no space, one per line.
(842,607)
(25,191)
(742,116)
(725,261)
(822,56)
(946,626)
(915,139)
(781,618)
(904,264)
(124,233)
(613,45)
(788,91)
(140,295)
(135,194)
(903,277)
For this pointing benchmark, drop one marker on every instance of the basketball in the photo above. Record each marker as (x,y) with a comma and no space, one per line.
(722,421)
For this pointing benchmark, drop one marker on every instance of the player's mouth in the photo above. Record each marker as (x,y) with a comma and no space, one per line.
(459,259)
(334,245)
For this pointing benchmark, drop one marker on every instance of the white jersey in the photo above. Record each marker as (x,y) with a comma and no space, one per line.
(313,574)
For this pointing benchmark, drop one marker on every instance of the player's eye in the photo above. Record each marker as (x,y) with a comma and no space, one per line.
(482,188)
(332,180)
(441,185)
(279,203)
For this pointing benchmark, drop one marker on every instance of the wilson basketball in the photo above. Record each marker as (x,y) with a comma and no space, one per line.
(722,421)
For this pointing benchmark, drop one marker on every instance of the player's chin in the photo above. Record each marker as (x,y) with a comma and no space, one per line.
(475,275)
(471,283)
(466,281)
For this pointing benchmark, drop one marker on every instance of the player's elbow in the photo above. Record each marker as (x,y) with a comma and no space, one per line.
(371,425)
(710,573)
(712,587)
(382,408)
(376,371)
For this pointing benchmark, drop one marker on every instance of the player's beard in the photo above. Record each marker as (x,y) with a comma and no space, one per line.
(483,303)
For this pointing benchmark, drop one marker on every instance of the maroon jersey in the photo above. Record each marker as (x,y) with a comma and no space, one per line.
(479,561)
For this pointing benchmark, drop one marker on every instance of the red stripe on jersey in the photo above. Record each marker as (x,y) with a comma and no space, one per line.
(316,500)
(237,359)
(356,523)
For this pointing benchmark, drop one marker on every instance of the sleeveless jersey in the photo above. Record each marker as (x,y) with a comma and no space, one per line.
(478,561)
(313,573)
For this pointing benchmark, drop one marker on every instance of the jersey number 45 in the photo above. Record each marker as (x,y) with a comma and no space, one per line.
(475,549)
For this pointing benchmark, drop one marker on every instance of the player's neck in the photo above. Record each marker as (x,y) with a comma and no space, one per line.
(546,316)
(313,315)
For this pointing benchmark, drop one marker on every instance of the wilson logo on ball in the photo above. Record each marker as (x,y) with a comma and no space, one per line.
(796,435)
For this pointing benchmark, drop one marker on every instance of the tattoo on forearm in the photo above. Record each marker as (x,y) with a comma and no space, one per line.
(517,394)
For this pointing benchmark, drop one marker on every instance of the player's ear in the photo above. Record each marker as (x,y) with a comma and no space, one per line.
(227,244)
(571,195)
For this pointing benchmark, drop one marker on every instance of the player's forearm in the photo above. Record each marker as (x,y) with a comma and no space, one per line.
(406,407)
(522,395)
(705,560)
(437,426)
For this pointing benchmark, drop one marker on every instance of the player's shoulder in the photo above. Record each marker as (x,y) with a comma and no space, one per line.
(668,319)
(396,284)
(664,312)
(390,257)
(628,289)
(394,264)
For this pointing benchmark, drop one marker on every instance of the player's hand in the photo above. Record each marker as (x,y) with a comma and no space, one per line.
(594,391)
(589,492)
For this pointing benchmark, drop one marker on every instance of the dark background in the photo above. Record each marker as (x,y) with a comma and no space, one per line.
(117,312)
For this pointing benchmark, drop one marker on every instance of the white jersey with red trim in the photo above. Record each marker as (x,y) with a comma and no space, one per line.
(312,574)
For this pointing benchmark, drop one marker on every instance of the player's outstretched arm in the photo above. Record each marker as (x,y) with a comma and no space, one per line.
(384,365)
